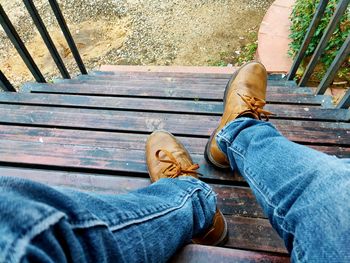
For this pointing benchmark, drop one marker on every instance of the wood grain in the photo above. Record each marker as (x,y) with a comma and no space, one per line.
(167,105)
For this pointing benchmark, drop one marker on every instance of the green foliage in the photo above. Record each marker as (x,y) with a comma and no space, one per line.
(301,17)
(248,53)
(243,54)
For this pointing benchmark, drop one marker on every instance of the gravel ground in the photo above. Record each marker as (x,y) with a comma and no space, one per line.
(138,32)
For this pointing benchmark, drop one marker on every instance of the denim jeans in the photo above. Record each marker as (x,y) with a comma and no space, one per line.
(304,193)
(39,223)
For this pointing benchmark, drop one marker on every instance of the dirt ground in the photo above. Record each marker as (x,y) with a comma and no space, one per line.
(137,32)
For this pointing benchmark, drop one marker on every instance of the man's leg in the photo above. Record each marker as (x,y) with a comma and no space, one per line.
(304,193)
(43,224)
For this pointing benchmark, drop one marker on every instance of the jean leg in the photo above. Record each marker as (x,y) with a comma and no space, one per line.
(304,193)
(43,224)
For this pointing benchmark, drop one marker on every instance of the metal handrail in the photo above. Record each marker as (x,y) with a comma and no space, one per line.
(20,47)
(46,37)
(340,10)
(5,83)
(63,25)
(342,54)
(309,34)
(22,50)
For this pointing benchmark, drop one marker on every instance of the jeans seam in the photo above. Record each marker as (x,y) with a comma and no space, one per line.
(299,251)
(155,215)
(92,223)
(264,195)
(254,182)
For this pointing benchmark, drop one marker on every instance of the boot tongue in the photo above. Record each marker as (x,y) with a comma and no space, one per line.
(176,168)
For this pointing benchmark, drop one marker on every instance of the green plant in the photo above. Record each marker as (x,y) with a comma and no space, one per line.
(248,53)
(301,17)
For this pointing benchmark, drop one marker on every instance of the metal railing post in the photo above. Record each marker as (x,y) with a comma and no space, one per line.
(5,83)
(46,37)
(343,53)
(345,102)
(60,19)
(340,10)
(19,45)
(310,32)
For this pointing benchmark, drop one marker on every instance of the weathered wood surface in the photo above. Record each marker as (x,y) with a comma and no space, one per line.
(205,254)
(104,151)
(145,122)
(178,92)
(141,75)
(117,140)
(167,105)
(247,225)
(91,135)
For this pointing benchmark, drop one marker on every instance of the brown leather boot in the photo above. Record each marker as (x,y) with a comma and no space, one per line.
(244,96)
(166,157)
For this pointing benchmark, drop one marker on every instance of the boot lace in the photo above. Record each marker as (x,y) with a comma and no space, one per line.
(175,169)
(256,106)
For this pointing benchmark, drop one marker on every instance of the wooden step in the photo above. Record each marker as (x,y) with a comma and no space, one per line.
(145,87)
(117,140)
(146,122)
(98,159)
(205,254)
(168,83)
(272,79)
(312,113)
(104,148)
(168,69)
(200,93)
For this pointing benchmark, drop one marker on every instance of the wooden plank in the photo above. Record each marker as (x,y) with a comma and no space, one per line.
(243,230)
(273,80)
(176,106)
(93,158)
(172,92)
(169,72)
(118,80)
(206,254)
(146,85)
(253,234)
(117,140)
(164,81)
(144,122)
(96,159)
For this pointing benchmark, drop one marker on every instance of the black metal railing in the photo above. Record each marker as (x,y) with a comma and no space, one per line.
(341,56)
(23,52)
(5,83)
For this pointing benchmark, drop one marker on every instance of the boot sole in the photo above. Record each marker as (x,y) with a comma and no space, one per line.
(208,157)
(224,237)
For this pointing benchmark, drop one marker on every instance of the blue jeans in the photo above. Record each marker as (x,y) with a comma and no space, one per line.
(304,193)
(43,224)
